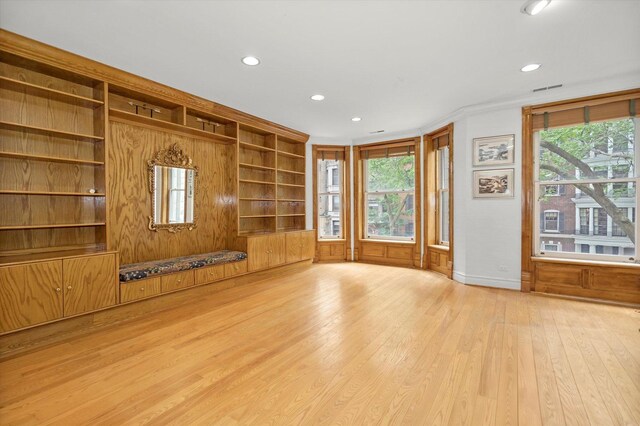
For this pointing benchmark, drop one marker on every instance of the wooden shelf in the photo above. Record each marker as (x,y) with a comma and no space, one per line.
(291,215)
(291,171)
(50,226)
(129,117)
(72,194)
(291,184)
(257,199)
(256,147)
(290,229)
(48,131)
(255,166)
(48,158)
(289,154)
(51,255)
(257,216)
(295,200)
(256,181)
(57,95)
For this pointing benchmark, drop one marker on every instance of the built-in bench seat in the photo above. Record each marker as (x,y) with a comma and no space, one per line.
(155,268)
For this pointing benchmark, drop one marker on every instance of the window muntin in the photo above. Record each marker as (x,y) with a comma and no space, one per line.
(593,168)
(389,191)
(330,193)
(442,183)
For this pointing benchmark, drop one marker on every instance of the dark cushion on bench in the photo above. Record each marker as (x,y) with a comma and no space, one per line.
(137,271)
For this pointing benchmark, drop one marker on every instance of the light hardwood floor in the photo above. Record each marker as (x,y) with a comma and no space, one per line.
(341,344)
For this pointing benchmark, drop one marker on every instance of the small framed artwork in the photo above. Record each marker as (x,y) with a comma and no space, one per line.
(496,183)
(494,150)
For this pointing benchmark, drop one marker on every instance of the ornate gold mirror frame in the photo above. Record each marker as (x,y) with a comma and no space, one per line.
(173,157)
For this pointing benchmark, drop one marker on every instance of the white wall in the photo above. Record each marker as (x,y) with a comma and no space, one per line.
(486,231)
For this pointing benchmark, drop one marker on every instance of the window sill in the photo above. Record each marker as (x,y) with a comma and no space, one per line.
(383,241)
(438,247)
(585,262)
(331,240)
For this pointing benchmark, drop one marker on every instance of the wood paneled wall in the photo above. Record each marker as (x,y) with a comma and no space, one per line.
(130,201)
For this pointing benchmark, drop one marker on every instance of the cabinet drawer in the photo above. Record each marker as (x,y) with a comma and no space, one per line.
(209,274)
(177,281)
(235,268)
(139,289)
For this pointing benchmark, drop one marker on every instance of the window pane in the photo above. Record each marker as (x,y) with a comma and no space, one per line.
(329,219)
(390,174)
(588,218)
(329,176)
(444,217)
(602,150)
(444,168)
(388,215)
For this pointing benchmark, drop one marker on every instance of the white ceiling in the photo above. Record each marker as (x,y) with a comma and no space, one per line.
(396,64)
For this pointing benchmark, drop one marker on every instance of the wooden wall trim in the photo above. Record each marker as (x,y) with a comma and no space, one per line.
(430,204)
(526,283)
(53,56)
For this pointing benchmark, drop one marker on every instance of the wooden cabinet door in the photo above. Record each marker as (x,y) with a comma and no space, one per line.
(209,274)
(30,294)
(89,283)
(177,280)
(292,242)
(277,250)
(258,252)
(139,289)
(307,245)
(235,268)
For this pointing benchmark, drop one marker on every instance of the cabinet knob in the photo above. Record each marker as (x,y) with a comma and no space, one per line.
(211,273)
(141,288)
(179,281)
(68,287)
(58,289)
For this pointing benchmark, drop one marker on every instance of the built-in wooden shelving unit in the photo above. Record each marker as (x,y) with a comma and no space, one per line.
(52,160)
(271,182)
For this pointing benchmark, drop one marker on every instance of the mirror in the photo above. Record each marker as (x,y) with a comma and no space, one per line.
(172,183)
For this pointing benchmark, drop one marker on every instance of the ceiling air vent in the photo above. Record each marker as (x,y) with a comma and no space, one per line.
(377,131)
(542,89)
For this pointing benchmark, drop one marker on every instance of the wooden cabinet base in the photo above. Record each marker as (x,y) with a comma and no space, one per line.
(48,333)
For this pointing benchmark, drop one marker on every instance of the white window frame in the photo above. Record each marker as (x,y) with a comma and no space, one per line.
(330,195)
(544,218)
(366,205)
(442,191)
(537,188)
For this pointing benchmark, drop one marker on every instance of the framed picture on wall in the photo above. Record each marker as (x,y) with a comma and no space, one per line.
(493,150)
(495,183)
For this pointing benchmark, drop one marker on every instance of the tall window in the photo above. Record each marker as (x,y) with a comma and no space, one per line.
(330,187)
(443,195)
(594,164)
(389,191)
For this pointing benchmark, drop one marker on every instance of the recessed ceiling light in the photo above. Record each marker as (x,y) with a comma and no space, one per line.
(356,119)
(530,67)
(250,60)
(533,7)
(317,97)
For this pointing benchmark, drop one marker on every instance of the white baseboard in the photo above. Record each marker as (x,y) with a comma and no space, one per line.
(509,284)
